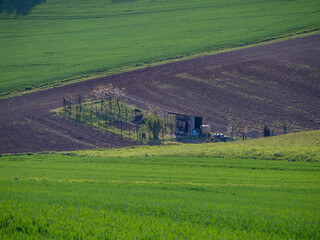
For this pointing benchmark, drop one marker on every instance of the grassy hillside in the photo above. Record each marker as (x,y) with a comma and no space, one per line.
(45,196)
(303,146)
(61,40)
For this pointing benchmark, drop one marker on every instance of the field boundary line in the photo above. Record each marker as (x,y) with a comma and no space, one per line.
(125,69)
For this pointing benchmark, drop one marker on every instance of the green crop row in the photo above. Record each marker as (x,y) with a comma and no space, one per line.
(66,40)
(47,196)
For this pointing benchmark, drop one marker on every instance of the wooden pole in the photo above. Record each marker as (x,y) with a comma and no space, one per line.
(137,132)
(129,130)
(121,127)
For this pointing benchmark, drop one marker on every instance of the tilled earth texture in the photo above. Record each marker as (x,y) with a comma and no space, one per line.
(274,85)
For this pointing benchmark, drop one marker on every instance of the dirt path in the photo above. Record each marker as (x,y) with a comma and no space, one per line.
(264,85)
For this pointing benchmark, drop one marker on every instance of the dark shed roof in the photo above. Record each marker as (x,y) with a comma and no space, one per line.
(180,114)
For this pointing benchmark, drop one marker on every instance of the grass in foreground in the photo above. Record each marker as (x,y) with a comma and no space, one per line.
(303,146)
(72,197)
(67,196)
(63,40)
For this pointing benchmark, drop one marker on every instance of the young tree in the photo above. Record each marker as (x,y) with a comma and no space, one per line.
(67,105)
(110,95)
(233,128)
(154,122)
(118,94)
(101,92)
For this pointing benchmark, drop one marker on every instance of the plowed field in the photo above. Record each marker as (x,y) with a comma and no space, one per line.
(263,85)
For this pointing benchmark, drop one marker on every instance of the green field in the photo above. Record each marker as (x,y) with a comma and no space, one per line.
(267,188)
(64,40)
(302,146)
(72,196)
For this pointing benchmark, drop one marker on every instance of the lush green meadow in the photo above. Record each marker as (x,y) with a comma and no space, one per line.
(302,146)
(64,40)
(65,195)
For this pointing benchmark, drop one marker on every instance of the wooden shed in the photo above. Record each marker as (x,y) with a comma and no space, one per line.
(187,124)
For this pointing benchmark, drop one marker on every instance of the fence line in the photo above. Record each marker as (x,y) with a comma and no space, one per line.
(127,121)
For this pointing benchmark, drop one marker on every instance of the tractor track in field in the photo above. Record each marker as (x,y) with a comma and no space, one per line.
(264,85)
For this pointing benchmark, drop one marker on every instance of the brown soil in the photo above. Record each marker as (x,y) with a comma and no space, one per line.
(264,85)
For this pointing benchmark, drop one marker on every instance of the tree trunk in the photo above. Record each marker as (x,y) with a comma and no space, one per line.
(118,107)
(101,105)
(110,104)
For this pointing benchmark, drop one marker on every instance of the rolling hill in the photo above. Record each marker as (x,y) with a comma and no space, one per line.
(54,41)
(263,85)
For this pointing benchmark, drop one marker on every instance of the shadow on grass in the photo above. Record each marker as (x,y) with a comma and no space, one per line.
(18,7)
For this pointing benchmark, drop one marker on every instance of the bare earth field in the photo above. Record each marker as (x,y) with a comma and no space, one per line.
(258,86)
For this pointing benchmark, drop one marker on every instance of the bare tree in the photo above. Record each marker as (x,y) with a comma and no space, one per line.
(66,105)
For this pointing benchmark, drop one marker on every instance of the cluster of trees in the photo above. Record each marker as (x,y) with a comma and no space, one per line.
(104,93)
(104,105)
(108,92)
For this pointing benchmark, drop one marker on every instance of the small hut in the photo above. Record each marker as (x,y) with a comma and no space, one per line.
(187,125)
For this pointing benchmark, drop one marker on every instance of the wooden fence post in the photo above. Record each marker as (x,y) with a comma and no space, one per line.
(121,127)
(137,132)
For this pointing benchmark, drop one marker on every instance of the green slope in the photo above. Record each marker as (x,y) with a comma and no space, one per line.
(60,40)
(116,196)
(302,146)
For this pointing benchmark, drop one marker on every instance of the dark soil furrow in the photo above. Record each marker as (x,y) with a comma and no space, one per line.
(273,85)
